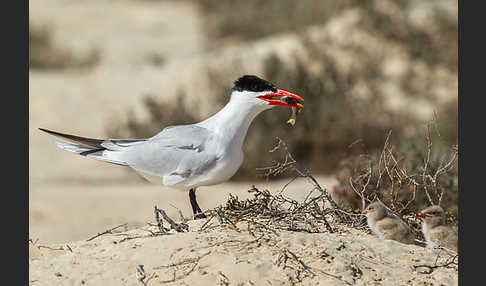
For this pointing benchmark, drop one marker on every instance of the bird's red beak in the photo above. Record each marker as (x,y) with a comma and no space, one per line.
(420,215)
(364,212)
(285,97)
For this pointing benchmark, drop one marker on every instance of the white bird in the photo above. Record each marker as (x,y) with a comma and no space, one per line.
(188,156)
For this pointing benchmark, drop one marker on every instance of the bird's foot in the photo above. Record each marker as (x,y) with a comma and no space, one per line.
(196,210)
(199,216)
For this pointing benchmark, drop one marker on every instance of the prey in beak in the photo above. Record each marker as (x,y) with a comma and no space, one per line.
(283,97)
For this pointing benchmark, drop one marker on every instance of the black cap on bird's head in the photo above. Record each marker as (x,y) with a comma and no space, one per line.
(431,211)
(270,93)
(253,83)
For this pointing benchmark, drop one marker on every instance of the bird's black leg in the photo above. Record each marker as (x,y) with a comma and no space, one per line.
(195,207)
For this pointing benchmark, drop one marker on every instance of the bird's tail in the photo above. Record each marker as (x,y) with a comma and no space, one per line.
(99,149)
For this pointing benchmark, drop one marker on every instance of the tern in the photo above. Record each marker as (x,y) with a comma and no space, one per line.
(188,156)
(386,225)
(435,230)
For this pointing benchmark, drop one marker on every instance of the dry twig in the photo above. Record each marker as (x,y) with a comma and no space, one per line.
(451,259)
(106,231)
(179,227)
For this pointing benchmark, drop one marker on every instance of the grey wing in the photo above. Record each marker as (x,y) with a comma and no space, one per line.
(183,137)
(175,154)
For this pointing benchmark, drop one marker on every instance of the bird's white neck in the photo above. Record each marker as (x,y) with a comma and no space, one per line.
(233,120)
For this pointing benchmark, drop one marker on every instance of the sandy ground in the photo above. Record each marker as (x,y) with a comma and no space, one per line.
(220,255)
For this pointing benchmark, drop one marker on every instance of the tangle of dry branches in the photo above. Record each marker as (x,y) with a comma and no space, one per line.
(404,182)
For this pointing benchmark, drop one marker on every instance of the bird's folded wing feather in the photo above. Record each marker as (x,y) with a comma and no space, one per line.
(120,144)
(183,137)
(389,226)
(442,232)
(175,154)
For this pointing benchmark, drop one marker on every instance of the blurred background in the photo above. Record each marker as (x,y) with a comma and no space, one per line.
(128,68)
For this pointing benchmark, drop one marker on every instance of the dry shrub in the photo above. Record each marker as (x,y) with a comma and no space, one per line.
(433,40)
(332,119)
(317,213)
(253,19)
(45,55)
(161,114)
(406,176)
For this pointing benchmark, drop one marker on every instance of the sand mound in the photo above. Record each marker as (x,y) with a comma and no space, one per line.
(224,255)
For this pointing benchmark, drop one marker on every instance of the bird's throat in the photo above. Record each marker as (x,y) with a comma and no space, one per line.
(233,121)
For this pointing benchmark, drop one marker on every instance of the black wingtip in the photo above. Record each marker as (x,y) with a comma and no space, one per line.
(52,132)
(83,140)
(46,130)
